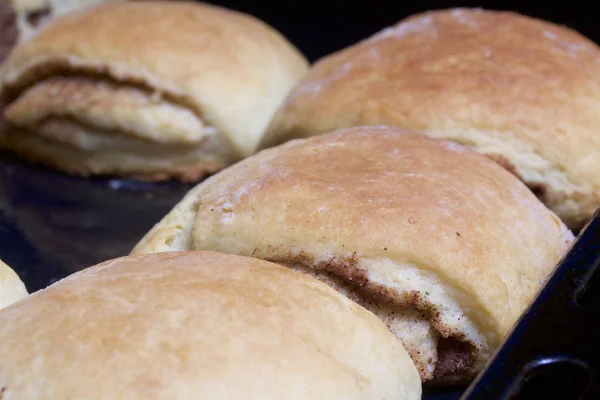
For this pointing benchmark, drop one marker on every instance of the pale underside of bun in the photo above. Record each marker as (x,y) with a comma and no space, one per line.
(523,91)
(88,125)
(155,89)
(451,352)
(12,288)
(420,232)
(198,325)
(442,353)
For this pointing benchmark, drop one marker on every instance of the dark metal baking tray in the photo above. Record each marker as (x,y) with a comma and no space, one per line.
(52,225)
(553,352)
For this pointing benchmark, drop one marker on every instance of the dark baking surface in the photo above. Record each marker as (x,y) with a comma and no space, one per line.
(52,225)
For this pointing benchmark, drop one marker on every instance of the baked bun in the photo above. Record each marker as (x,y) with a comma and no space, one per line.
(441,243)
(198,325)
(12,288)
(151,89)
(523,91)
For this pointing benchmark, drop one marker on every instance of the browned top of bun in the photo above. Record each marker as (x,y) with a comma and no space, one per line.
(372,203)
(198,325)
(232,69)
(501,82)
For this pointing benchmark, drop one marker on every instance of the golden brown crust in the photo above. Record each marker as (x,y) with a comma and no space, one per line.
(198,325)
(404,220)
(160,70)
(12,288)
(499,82)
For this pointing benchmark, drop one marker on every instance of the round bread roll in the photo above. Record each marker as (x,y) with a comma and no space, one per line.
(441,243)
(198,325)
(523,91)
(12,288)
(151,90)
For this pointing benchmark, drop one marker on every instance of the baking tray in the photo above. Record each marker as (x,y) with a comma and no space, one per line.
(553,351)
(52,225)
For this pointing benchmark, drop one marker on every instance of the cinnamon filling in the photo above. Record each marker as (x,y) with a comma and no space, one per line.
(454,358)
(443,360)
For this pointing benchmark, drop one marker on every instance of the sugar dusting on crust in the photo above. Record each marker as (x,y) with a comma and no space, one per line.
(453,146)
(549,35)
(314,87)
(462,16)
(425,24)
(565,45)
(228,202)
(403,28)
